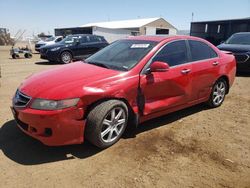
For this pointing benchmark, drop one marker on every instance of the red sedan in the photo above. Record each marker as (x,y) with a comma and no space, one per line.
(126,83)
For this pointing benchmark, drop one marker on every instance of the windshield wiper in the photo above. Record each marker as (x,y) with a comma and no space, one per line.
(99,64)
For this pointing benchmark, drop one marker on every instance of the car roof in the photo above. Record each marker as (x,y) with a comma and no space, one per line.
(243,33)
(83,35)
(162,37)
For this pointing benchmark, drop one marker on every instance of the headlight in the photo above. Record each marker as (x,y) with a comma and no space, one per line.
(43,104)
(55,49)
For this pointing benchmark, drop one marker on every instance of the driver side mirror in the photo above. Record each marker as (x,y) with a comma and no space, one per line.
(158,66)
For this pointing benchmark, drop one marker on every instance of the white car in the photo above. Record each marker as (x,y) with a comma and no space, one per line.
(48,41)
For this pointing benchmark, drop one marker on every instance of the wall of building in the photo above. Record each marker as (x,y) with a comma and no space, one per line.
(150,29)
(111,34)
(218,31)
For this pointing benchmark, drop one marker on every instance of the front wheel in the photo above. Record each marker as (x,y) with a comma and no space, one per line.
(106,123)
(218,93)
(66,57)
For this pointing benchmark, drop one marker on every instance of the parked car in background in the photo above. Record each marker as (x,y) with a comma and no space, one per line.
(128,82)
(239,45)
(48,41)
(73,47)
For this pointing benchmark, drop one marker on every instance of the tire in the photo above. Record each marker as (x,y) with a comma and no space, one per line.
(104,128)
(27,55)
(66,57)
(218,93)
(14,56)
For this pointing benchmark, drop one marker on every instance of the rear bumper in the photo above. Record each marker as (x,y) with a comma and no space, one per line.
(52,128)
(243,62)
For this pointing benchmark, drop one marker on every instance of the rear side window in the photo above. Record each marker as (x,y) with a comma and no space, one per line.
(174,53)
(200,51)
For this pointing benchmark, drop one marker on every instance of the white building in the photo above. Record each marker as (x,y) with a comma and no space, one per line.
(114,30)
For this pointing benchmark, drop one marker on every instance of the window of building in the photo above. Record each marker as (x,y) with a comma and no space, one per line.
(160,31)
(206,28)
(218,30)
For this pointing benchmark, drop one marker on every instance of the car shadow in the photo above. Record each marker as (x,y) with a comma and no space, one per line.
(170,118)
(27,151)
(47,63)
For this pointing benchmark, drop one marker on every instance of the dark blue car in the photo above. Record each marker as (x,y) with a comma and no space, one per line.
(239,45)
(73,47)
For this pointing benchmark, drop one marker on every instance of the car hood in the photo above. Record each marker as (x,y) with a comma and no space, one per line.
(47,43)
(40,42)
(52,45)
(236,48)
(68,81)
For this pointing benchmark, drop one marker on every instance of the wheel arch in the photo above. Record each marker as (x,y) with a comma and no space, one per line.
(67,50)
(224,77)
(133,117)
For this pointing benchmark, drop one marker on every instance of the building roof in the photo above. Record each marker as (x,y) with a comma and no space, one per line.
(136,23)
(236,19)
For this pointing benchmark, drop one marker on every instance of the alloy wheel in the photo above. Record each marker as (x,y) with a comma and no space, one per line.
(66,57)
(113,124)
(219,93)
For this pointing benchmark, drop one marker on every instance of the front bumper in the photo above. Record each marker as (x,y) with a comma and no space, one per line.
(243,67)
(243,62)
(49,55)
(52,128)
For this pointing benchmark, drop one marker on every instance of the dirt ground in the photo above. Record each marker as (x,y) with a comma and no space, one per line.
(195,147)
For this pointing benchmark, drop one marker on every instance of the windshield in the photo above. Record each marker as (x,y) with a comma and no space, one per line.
(70,39)
(121,55)
(50,39)
(240,38)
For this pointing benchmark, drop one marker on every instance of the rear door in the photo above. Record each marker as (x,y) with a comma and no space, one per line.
(205,69)
(165,90)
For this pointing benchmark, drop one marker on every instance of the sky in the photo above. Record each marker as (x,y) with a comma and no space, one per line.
(44,15)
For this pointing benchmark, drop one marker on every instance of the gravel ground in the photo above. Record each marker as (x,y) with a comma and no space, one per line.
(194,147)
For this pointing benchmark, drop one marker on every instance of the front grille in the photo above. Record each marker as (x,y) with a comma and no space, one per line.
(20,99)
(241,57)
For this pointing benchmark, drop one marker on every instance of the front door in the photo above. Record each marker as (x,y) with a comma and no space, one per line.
(165,90)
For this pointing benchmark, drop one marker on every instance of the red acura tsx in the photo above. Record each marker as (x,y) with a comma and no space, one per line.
(128,82)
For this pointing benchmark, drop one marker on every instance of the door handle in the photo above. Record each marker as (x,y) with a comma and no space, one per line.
(185,71)
(215,63)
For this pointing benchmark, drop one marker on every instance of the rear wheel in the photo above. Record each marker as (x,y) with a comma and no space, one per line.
(14,56)
(66,57)
(106,123)
(218,93)
(27,55)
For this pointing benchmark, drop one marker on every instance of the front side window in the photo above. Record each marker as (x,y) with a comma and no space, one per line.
(70,39)
(174,53)
(58,39)
(83,39)
(122,55)
(200,51)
